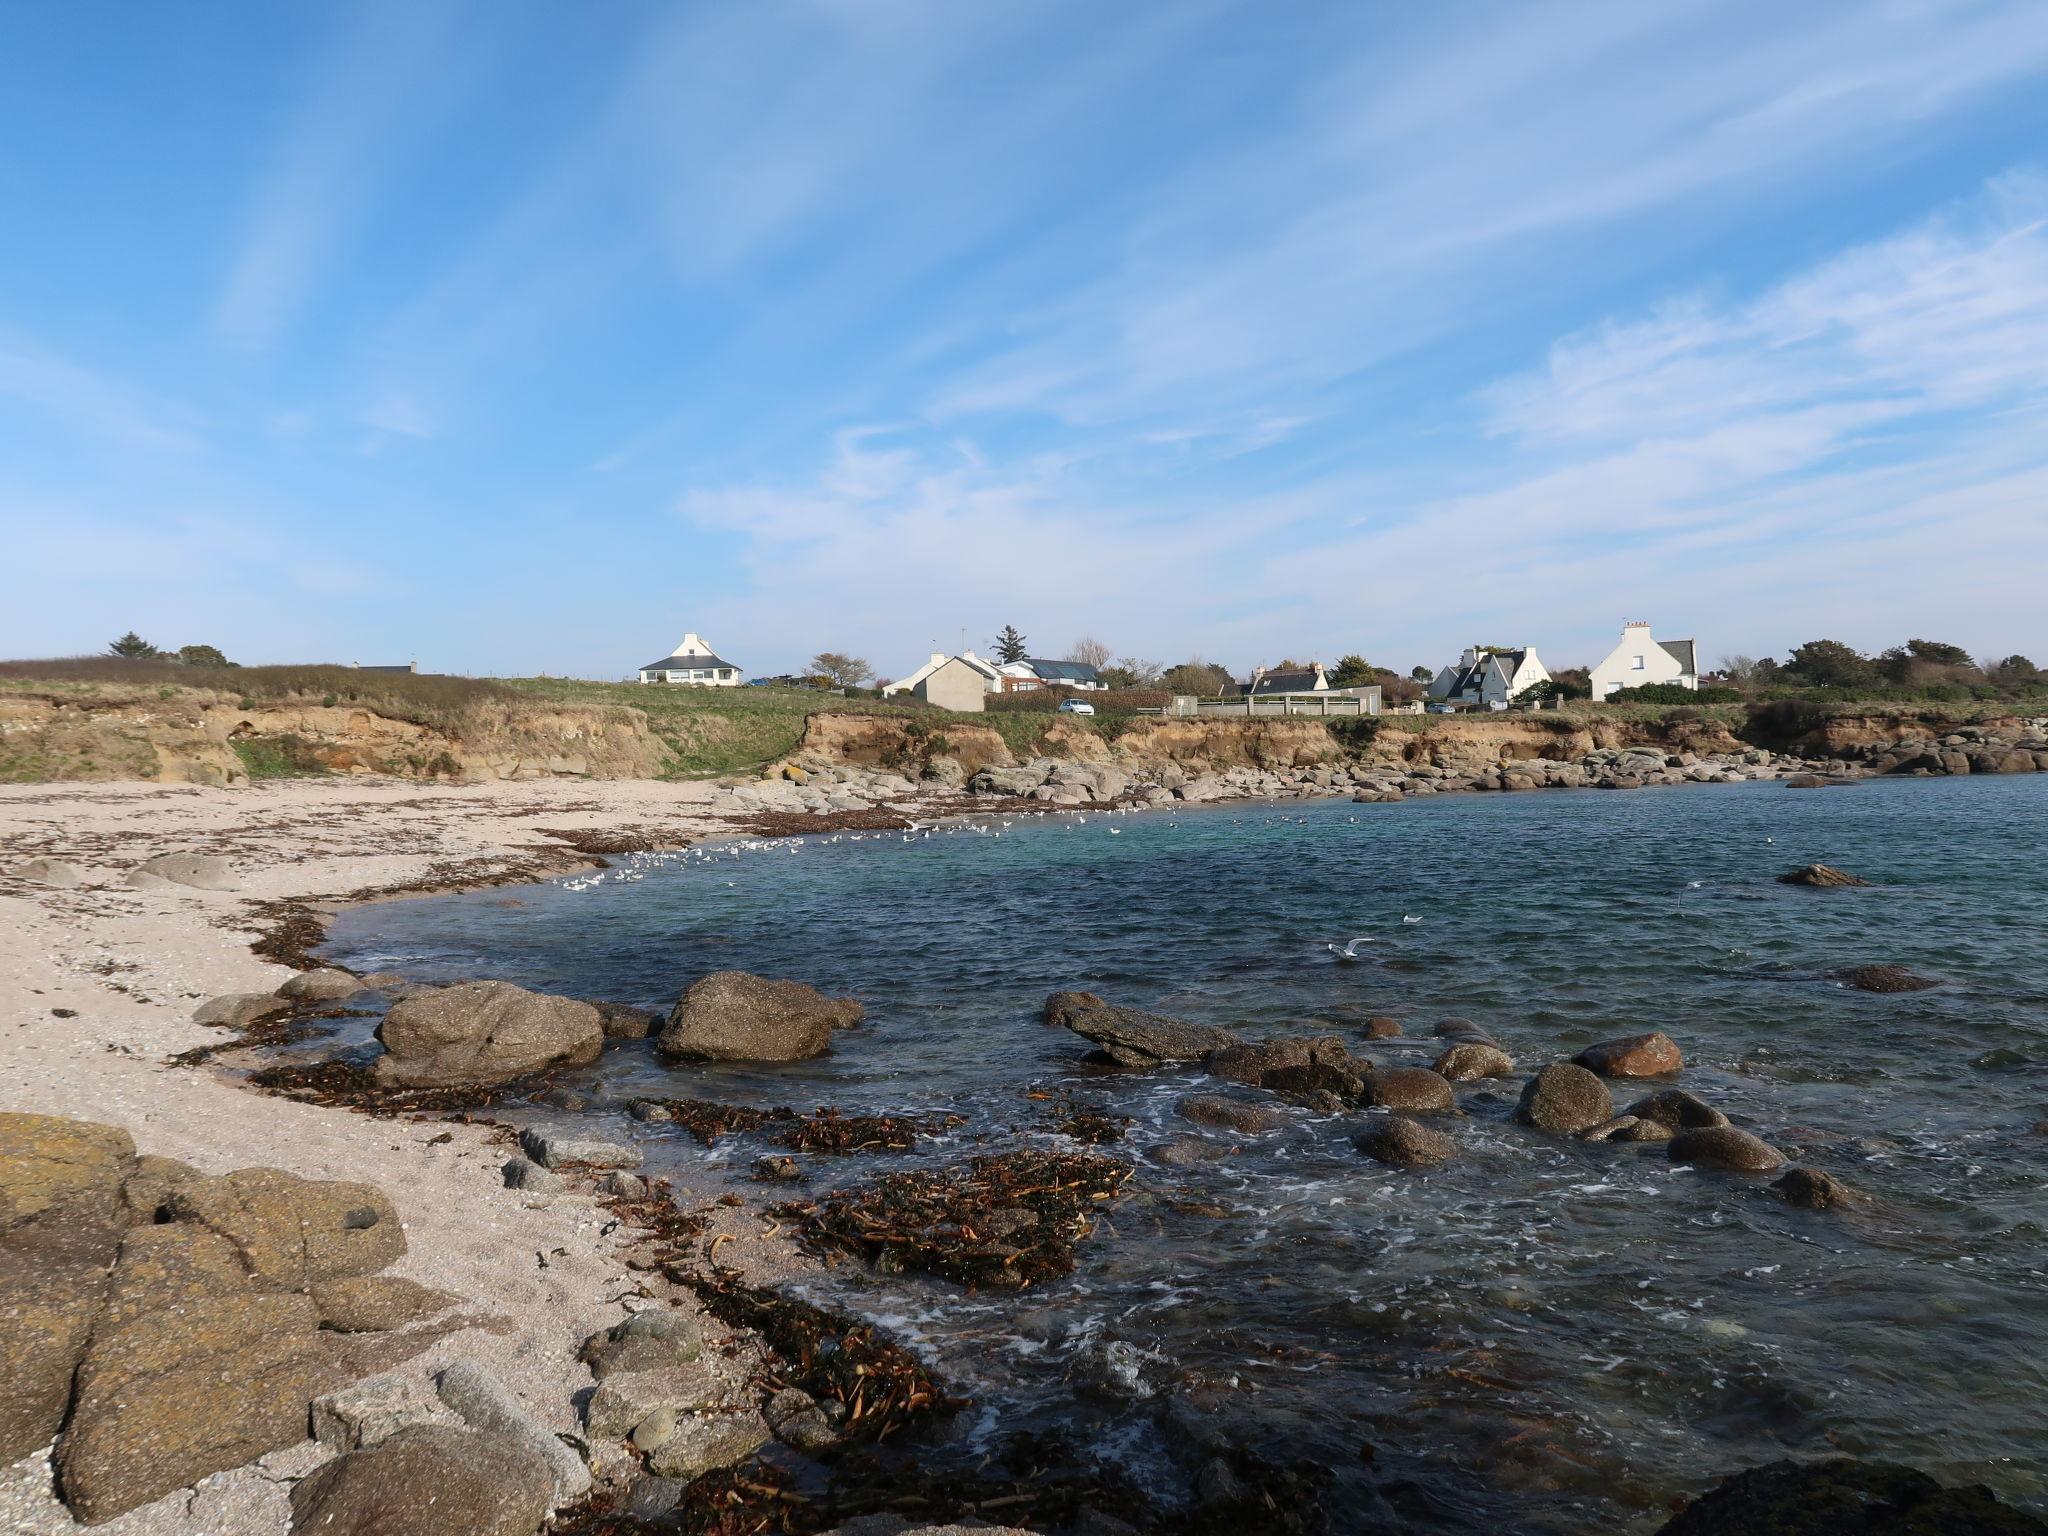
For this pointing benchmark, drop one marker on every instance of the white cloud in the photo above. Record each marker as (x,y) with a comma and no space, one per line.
(87,401)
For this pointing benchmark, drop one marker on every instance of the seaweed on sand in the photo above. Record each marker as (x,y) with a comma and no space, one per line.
(349,1085)
(1005,1221)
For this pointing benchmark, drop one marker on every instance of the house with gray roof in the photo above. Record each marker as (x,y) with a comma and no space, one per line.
(1312,679)
(1488,677)
(1037,672)
(694,664)
(1640,659)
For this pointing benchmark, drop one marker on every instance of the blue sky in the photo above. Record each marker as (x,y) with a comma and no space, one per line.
(522,337)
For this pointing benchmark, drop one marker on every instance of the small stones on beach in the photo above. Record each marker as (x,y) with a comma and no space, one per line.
(1678,1109)
(427,1480)
(1467,1061)
(1812,1190)
(524,1173)
(1724,1149)
(1652,1055)
(620,1185)
(199,871)
(552,1150)
(1408,1088)
(1820,875)
(51,872)
(778,1170)
(322,986)
(737,1016)
(651,1111)
(701,1445)
(1400,1142)
(482,1032)
(1240,1115)
(796,1420)
(238,1009)
(1882,978)
(1564,1100)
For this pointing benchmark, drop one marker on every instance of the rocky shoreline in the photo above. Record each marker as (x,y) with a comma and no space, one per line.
(724,1366)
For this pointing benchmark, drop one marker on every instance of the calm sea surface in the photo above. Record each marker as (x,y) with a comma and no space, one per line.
(1541,1335)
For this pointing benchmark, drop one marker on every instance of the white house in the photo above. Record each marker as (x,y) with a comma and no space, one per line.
(695,663)
(952,682)
(1489,677)
(1035,672)
(1639,660)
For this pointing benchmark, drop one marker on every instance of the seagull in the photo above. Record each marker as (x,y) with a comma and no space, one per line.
(1349,951)
(1411,919)
(1116,831)
(1693,885)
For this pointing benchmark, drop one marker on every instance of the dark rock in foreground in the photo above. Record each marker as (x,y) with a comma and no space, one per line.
(483,1032)
(1820,875)
(737,1016)
(1409,1088)
(1564,1100)
(1843,1497)
(1651,1055)
(426,1481)
(1131,1037)
(1678,1109)
(1882,978)
(1812,1190)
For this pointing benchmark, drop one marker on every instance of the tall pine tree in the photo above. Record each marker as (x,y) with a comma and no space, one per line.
(1011,646)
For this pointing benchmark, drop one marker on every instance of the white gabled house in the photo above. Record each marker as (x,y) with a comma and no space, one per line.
(952,682)
(693,662)
(1638,659)
(1488,677)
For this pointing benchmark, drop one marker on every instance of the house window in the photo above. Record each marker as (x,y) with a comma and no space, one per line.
(1638,664)
(725,671)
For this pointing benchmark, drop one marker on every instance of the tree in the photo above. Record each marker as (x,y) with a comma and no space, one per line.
(1198,677)
(1830,664)
(1130,672)
(1011,646)
(1090,652)
(2014,672)
(1422,674)
(1352,671)
(1940,654)
(132,647)
(1740,670)
(202,656)
(841,671)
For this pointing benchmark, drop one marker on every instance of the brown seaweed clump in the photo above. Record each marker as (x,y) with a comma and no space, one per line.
(1004,1221)
(349,1085)
(843,1135)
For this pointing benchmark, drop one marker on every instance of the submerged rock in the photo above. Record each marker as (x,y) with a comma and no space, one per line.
(738,1016)
(1820,875)
(1240,1115)
(1564,1100)
(1628,1128)
(483,1032)
(1812,1190)
(1882,978)
(1724,1149)
(1467,1061)
(1409,1088)
(1131,1037)
(1652,1055)
(1844,1497)
(1403,1143)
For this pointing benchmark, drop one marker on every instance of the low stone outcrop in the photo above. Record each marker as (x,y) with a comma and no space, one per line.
(322,986)
(482,1402)
(376,1303)
(295,1232)
(52,872)
(48,1161)
(737,1016)
(427,1480)
(200,871)
(483,1032)
(1400,1142)
(1415,1089)
(1812,1190)
(1882,978)
(1845,1497)
(1652,1055)
(1467,1061)
(1131,1037)
(1564,1100)
(1821,875)
(1240,1115)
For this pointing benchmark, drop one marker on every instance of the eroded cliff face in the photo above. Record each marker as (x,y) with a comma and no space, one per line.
(903,745)
(1212,745)
(192,737)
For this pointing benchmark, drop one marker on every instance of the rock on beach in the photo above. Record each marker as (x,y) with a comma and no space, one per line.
(1652,1055)
(737,1016)
(1564,1100)
(482,1032)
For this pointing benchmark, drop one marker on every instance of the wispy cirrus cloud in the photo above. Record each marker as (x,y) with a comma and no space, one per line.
(55,387)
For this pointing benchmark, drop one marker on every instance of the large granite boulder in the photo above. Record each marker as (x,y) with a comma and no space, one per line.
(47,1161)
(427,1480)
(182,1391)
(1678,1109)
(295,1232)
(1467,1061)
(737,1016)
(1564,1100)
(483,1032)
(1402,1143)
(1415,1089)
(50,1295)
(1131,1037)
(1724,1149)
(1843,1497)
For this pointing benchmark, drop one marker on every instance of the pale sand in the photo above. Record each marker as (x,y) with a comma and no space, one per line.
(134,964)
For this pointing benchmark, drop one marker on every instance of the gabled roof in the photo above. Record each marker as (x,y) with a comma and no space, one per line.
(685,664)
(1282,682)
(1681,651)
(1469,680)
(1063,671)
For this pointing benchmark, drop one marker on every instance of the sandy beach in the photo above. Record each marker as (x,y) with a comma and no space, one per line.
(97,987)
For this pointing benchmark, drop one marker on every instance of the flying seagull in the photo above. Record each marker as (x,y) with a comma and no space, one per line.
(1349,951)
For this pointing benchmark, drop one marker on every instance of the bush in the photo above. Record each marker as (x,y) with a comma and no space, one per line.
(1674,693)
